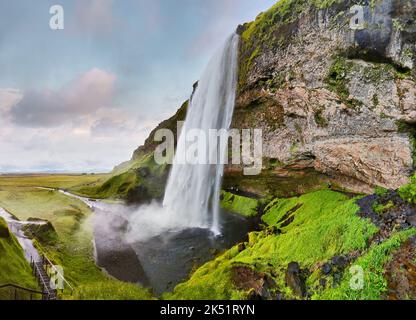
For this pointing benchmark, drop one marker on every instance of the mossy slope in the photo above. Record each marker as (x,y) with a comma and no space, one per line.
(310,229)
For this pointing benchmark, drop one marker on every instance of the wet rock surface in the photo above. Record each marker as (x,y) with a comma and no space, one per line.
(401,273)
(295,279)
(259,284)
(332,271)
(389,212)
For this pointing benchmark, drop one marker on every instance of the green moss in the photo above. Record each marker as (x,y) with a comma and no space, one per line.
(408,53)
(320,120)
(246,67)
(274,184)
(380,191)
(378,72)
(323,4)
(337,77)
(272,163)
(380,208)
(376,101)
(142,171)
(118,185)
(211,281)
(45,233)
(408,192)
(324,225)
(265,31)
(372,263)
(244,206)
(341,69)
(4,229)
(403,73)
(294,148)
(110,290)
(410,130)
(397,25)
(14,269)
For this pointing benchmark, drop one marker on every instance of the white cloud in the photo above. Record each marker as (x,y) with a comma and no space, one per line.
(8,99)
(98,147)
(76,128)
(83,96)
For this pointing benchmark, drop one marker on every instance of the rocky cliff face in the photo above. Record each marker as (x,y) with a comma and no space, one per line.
(328,97)
(336,104)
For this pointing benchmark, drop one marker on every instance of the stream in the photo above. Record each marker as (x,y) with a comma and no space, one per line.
(16,227)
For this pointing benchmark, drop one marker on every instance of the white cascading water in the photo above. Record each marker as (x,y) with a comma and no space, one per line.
(193,190)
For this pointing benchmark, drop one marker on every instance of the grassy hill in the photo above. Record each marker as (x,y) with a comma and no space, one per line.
(14,269)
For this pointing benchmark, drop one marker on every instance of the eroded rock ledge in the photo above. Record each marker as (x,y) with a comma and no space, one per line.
(343,99)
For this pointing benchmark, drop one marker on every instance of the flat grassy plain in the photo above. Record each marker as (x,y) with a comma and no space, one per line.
(69,243)
(62,181)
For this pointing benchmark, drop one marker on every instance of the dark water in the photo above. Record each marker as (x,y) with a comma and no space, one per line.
(164,261)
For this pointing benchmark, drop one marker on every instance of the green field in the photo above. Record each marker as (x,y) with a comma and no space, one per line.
(68,242)
(51,181)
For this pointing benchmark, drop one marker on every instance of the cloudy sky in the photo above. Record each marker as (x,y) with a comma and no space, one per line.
(83,98)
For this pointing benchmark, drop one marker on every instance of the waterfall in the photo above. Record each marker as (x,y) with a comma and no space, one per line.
(193,190)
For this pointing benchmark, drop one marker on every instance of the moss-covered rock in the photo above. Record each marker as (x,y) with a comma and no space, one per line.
(408,192)
(43,232)
(4,229)
(372,265)
(245,206)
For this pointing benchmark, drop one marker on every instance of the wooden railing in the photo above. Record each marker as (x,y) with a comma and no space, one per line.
(20,293)
(42,270)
